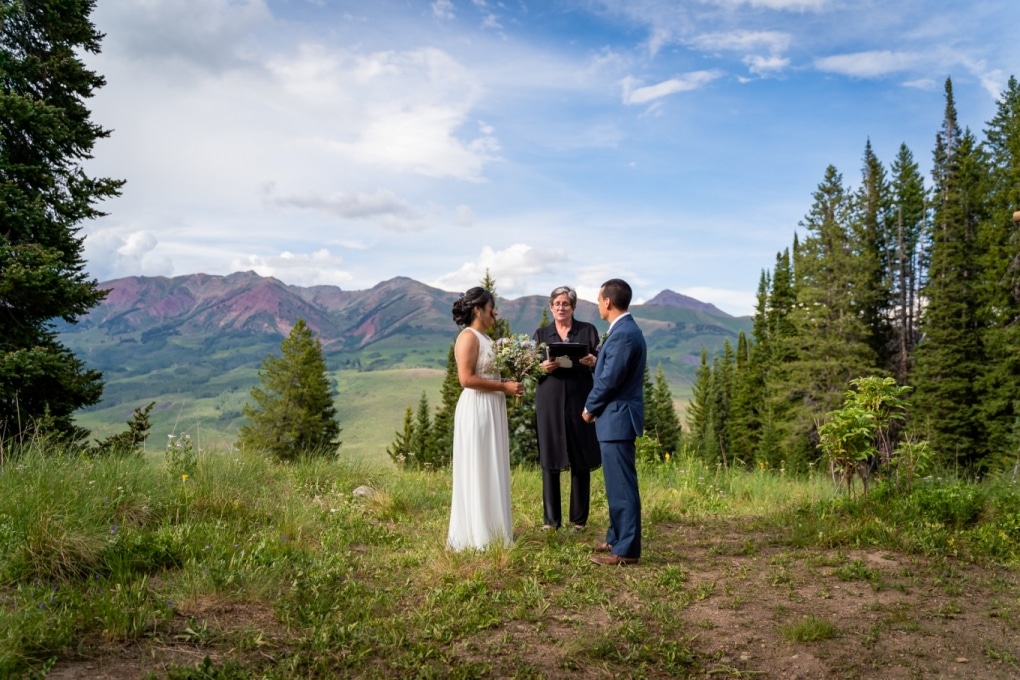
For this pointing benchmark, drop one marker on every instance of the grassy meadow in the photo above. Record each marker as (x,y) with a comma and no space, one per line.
(227,565)
(370,407)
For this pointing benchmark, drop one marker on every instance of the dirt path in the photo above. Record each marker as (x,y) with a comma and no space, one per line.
(758,609)
(892,615)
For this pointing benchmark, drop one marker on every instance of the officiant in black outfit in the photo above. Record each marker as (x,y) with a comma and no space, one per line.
(565,441)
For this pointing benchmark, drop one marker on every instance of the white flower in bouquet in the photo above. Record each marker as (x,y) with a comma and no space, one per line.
(518,358)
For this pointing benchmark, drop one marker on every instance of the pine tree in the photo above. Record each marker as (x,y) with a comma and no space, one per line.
(501,329)
(950,356)
(421,442)
(545,320)
(442,425)
(910,217)
(46,136)
(831,343)
(747,400)
(872,239)
(132,440)
(773,350)
(400,449)
(293,413)
(665,424)
(782,300)
(719,399)
(647,394)
(698,409)
(1000,384)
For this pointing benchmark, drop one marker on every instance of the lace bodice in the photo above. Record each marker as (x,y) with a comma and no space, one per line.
(485,366)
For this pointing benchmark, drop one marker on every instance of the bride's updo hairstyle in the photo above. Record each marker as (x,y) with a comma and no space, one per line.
(464,306)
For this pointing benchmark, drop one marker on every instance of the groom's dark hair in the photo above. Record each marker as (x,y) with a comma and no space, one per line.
(618,292)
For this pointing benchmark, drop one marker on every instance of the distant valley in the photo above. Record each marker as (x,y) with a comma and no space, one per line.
(194,345)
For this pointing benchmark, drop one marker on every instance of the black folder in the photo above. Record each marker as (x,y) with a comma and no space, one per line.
(574,350)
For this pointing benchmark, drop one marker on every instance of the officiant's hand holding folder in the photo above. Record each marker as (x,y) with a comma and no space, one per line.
(566,353)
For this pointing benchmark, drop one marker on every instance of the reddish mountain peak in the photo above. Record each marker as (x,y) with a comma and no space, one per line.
(668,298)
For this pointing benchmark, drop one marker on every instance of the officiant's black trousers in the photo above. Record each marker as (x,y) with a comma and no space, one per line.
(580,496)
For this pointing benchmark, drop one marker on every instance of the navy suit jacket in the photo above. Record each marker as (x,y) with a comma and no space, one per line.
(617,399)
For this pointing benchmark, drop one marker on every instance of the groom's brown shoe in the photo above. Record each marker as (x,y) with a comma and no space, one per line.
(602,546)
(613,560)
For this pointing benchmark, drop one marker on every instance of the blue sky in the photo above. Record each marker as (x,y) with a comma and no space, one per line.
(673,143)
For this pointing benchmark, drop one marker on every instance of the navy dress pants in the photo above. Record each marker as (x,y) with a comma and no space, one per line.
(624,499)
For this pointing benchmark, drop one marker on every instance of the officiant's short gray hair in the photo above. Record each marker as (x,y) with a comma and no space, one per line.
(564,290)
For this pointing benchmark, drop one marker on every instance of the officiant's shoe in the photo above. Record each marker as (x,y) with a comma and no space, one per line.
(613,560)
(602,546)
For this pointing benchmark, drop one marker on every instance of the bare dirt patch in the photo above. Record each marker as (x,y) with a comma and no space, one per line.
(883,614)
(893,615)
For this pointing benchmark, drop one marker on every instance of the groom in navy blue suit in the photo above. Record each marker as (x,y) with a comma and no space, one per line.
(617,407)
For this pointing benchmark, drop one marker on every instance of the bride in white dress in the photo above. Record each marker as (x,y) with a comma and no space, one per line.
(480,509)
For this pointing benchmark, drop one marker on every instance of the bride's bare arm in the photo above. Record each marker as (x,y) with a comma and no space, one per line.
(466,352)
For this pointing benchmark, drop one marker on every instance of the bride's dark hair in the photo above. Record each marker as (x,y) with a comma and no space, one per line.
(464,306)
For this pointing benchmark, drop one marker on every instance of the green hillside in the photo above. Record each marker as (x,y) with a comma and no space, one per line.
(370,406)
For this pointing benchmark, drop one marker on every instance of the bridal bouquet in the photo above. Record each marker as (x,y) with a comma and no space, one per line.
(518,358)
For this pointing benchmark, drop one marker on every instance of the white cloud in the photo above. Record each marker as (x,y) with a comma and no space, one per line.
(743,41)
(993,80)
(349,204)
(763,66)
(659,37)
(774,42)
(512,268)
(402,111)
(113,254)
(927,84)
(781,5)
(635,94)
(302,269)
(137,244)
(443,10)
(491,22)
(869,64)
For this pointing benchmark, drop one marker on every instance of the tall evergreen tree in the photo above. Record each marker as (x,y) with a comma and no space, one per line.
(872,240)
(545,320)
(831,343)
(746,412)
(661,421)
(501,329)
(720,396)
(698,409)
(774,349)
(293,413)
(421,442)
(667,422)
(950,356)
(1000,236)
(442,425)
(400,449)
(907,267)
(46,135)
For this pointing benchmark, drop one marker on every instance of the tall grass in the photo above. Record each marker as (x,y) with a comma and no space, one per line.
(117,550)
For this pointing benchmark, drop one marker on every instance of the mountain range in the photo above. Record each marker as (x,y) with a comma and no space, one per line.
(200,337)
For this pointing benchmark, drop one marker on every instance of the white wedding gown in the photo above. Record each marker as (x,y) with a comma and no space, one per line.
(480,511)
